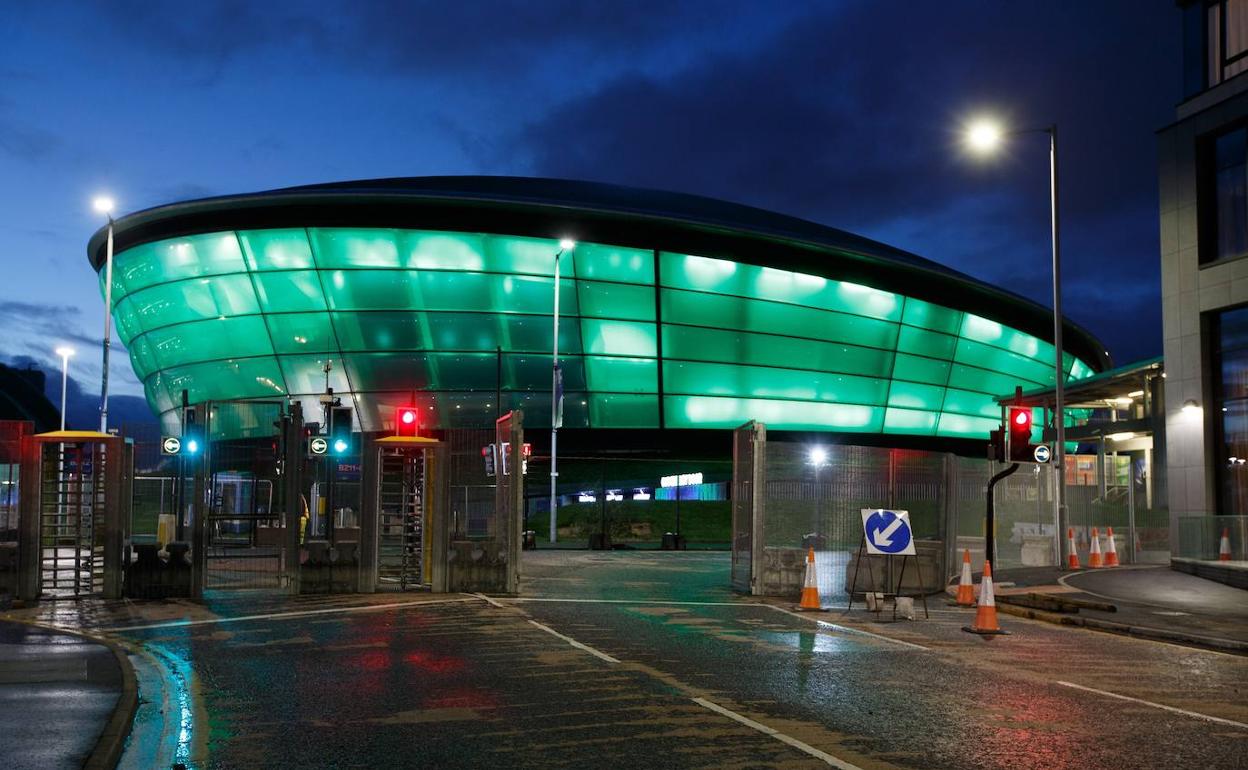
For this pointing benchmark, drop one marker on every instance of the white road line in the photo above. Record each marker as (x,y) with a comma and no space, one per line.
(576,644)
(764,729)
(847,629)
(281,615)
(671,602)
(1194,714)
(631,601)
(490,601)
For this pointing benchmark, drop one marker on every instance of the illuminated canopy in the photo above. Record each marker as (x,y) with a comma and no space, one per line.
(414,291)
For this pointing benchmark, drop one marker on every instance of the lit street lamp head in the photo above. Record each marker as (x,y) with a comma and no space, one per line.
(984,136)
(103,204)
(64,352)
(818,456)
(567,244)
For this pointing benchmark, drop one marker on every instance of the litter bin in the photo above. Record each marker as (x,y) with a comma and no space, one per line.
(673,542)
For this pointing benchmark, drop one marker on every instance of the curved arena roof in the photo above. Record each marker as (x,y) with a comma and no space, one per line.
(676,310)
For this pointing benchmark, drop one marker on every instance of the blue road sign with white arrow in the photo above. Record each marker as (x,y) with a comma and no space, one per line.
(887,532)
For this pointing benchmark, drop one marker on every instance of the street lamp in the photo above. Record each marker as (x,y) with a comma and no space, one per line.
(104,205)
(985,136)
(818,458)
(556,396)
(64,353)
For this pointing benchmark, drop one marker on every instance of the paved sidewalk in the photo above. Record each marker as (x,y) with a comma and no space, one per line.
(58,693)
(1151,601)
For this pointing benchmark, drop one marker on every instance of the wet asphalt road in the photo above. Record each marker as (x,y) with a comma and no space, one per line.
(671,664)
(57,693)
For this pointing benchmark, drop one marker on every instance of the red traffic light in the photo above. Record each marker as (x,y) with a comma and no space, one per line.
(1021,418)
(1019,439)
(406,421)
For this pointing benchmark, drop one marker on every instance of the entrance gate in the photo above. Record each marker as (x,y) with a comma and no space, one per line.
(401,498)
(749,444)
(73,514)
(243,547)
(404,504)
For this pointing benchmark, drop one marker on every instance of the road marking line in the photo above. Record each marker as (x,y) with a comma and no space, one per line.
(576,644)
(490,601)
(774,733)
(848,629)
(1195,714)
(280,615)
(668,602)
(631,601)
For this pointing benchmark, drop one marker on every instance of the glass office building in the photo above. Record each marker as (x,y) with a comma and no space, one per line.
(675,311)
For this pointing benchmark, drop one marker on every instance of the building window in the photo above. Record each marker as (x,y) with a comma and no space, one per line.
(1226,41)
(1229,212)
(1223,185)
(1230,354)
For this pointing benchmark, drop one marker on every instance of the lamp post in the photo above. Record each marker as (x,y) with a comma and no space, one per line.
(985,137)
(104,205)
(64,353)
(556,397)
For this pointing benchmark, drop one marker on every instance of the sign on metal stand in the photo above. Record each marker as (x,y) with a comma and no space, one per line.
(887,533)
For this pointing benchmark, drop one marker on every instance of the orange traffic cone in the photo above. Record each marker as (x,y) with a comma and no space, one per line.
(986,614)
(810,588)
(1224,547)
(1094,557)
(1072,558)
(966,589)
(1111,550)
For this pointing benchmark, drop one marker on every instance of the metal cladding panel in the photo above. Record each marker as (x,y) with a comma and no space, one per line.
(452,319)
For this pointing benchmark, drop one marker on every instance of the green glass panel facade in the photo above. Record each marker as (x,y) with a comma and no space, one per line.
(276,249)
(455,318)
(597,262)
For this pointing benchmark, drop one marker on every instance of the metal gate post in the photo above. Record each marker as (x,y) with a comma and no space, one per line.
(515,503)
(199,511)
(370,513)
(29,553)
(438,506)
(292,484)
(757,526)
(116,453)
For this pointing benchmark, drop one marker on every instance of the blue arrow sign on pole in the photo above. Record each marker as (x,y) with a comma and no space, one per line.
(887,532)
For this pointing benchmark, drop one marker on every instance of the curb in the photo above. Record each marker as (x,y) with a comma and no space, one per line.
(108,749)
(112,741)
(1213,643)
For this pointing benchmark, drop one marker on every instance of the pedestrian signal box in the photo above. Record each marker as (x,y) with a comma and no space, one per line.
(487,454)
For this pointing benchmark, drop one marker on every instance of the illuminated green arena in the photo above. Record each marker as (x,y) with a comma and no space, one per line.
(675,311)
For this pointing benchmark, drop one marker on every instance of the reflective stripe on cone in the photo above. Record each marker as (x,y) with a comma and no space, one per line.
(966,588)
(1111,550)
(986,613)
(1094,557)
(810,587)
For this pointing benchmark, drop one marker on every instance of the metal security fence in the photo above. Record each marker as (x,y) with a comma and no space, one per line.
(1201,538)
(811,496)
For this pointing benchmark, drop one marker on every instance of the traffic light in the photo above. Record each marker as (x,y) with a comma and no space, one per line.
(192,432)
(1018,441)
(487,454)
(340,430)
(406,420)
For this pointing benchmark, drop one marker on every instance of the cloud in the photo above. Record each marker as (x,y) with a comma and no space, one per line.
(23,140)
(852,122)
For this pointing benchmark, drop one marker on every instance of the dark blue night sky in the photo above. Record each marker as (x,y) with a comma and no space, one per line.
(845,113)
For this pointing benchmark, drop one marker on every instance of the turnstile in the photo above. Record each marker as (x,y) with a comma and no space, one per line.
(74,511)
(401,545)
